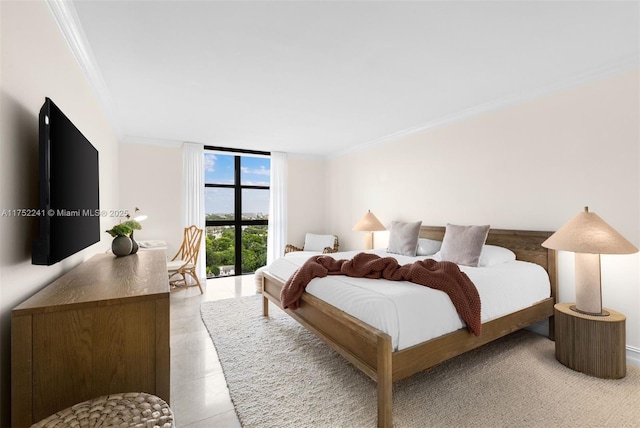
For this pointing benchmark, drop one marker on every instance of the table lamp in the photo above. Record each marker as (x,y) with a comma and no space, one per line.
(588,236)
(369,224)
(138,217)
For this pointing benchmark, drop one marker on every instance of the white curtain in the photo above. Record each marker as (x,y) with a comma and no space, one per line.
(193,194)
(277,230)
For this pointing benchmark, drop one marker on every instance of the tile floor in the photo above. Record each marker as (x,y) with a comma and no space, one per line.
(199,394)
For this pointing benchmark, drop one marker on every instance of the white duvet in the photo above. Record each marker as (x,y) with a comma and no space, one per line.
(412,313)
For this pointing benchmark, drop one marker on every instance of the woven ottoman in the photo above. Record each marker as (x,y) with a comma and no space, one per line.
(133,409)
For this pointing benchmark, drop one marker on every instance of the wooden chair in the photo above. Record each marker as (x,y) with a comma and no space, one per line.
(186,259)
(324,244)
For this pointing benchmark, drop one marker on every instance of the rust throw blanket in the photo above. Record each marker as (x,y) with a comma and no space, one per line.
(444,276)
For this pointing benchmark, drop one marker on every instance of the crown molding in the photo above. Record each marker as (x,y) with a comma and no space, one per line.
(623,65)
(305,156)
(68,22)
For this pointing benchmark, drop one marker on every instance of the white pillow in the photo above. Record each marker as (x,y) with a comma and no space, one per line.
(427,247)
(494,255)
(313,242)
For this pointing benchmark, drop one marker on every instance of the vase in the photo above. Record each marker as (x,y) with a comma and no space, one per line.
(134,244)
(121,246)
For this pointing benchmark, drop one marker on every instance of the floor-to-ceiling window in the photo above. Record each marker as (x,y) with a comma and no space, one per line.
(237,210)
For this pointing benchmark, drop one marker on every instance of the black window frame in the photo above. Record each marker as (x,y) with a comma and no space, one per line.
(238,187)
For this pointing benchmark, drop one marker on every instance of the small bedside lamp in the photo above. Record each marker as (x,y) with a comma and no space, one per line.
(139,217)
(369,224)
(588,236)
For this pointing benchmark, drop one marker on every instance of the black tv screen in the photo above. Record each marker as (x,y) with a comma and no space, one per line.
(69,208)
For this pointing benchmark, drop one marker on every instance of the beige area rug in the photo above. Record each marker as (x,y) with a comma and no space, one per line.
(280,375)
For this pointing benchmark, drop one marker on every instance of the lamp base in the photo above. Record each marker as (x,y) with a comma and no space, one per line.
(588,294)
(368,240)
(603,313)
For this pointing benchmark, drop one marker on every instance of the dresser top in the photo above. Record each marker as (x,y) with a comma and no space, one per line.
(103,280)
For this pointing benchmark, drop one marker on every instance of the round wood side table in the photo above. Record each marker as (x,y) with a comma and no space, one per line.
(594,345)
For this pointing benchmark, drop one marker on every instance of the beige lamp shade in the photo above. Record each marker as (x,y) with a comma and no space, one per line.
(368,223)
(588,233)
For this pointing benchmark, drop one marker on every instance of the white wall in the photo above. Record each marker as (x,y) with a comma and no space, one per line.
(36,63)
(307,210)
(151,179)
(532,166)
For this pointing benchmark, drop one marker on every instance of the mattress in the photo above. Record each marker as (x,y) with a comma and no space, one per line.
(412,313)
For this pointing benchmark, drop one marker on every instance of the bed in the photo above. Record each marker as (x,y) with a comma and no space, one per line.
(374,352)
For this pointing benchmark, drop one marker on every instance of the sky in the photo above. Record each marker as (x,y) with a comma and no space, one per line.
(219,169)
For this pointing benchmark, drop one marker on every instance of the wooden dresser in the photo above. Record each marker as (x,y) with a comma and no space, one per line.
(101,328)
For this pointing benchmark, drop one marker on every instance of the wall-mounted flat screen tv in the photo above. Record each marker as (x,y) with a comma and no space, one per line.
(69,208)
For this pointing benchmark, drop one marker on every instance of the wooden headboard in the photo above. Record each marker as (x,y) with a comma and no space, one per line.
(526,244)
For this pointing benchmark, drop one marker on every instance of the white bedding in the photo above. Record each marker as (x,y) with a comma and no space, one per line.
(412,313)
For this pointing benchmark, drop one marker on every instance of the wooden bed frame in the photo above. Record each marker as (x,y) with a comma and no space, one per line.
(370,350)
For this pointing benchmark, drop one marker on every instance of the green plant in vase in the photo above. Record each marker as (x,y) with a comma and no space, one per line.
(123,243)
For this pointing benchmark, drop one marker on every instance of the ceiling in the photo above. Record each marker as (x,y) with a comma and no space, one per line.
(324,77)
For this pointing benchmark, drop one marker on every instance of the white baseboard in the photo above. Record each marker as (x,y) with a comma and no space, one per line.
(633,356)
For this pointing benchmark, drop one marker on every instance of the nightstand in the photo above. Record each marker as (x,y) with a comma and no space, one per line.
(594,345)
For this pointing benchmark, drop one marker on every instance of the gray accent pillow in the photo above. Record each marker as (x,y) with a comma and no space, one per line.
(463,244)
(403,238)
